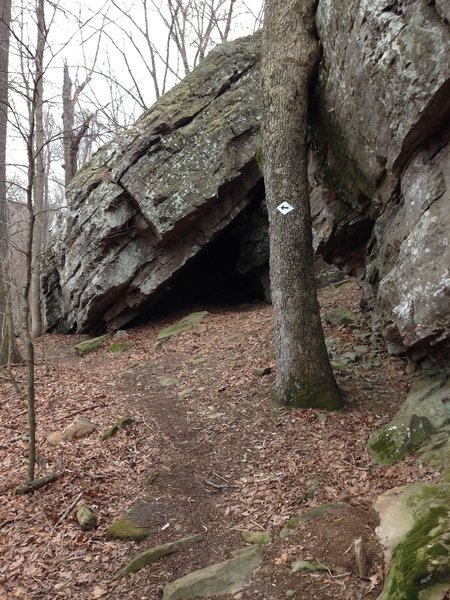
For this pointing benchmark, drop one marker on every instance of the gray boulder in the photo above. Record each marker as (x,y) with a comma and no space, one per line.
(148,203)
(381,131)
(425,411)
(413,307)
(152,198)
(414,530)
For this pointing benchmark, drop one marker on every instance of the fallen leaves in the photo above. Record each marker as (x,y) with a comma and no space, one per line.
(225,458)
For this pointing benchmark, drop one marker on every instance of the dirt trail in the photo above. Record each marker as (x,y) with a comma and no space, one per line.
(227,461)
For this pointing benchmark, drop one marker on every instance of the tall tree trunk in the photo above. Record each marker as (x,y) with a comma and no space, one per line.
(290,54)
(68,116)
(8,347)
(72,137)
(39,177)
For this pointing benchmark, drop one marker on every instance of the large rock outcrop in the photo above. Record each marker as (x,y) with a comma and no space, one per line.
(150,201)
(383,132)
(156,195)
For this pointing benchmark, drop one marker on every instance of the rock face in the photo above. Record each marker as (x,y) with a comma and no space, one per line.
(413,303)
(150,201)
(227,577)
(414,526)
(385,105)
(154,197)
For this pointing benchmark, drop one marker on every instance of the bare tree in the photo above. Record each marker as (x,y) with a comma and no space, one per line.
(36,117)
(72,135)
(8,347)
(290,54)
(169,38)
(32,131)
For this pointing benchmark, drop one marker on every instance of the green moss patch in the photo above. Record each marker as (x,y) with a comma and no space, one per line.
(119,424)
(319,392)
(392,442)
(436,451)
(422,560)
(124,529)
(88,346)
(142,559)
(340,316)
(152,477)
(184,324)
(259,538)
(420,564)
(119,347)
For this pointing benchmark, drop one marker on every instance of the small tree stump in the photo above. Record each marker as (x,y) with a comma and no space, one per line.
(362,558)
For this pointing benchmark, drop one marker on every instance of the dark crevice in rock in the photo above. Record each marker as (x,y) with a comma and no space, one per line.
(434,119)
(397,8)
(153,144)
(232,80)
(347,248)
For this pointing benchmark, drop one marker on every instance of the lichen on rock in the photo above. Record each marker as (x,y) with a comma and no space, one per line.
(420,564)
(424,412)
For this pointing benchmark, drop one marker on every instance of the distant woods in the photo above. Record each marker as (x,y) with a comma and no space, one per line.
(70,79)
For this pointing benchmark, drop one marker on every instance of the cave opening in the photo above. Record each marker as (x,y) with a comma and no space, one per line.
(232,269)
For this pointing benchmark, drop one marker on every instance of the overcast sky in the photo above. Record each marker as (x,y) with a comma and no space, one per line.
(95,34)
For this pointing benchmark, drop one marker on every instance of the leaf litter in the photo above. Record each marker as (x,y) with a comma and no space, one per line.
(210,453)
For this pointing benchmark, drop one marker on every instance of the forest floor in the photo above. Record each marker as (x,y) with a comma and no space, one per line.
(208,453)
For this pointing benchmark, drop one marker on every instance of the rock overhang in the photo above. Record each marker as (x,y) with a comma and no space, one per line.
(164,189)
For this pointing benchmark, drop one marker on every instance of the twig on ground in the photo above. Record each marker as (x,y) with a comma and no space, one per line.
(349,548)
(355,466)
(221,486)
(327,569)
(257,525)
(77,412)
(68,510)
(17,438)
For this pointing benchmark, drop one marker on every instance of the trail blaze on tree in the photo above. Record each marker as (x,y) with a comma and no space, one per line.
(290,54)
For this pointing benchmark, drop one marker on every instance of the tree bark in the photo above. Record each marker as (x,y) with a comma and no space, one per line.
(39,175)
(9,352)
(290,54)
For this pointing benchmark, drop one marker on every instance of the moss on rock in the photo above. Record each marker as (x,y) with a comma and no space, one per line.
(119,347)
(260,538)
(119,424)
(184,324)
(123,528)
(86,518)
(87,346)
(421,562)
(311,515)
(142,559)
(340,316)
(391,443)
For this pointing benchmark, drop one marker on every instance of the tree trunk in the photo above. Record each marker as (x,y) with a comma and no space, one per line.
(9,352)
(68,116)
(290,54)
(39,178)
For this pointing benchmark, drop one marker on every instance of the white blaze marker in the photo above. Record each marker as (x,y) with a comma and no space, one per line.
(285,208)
